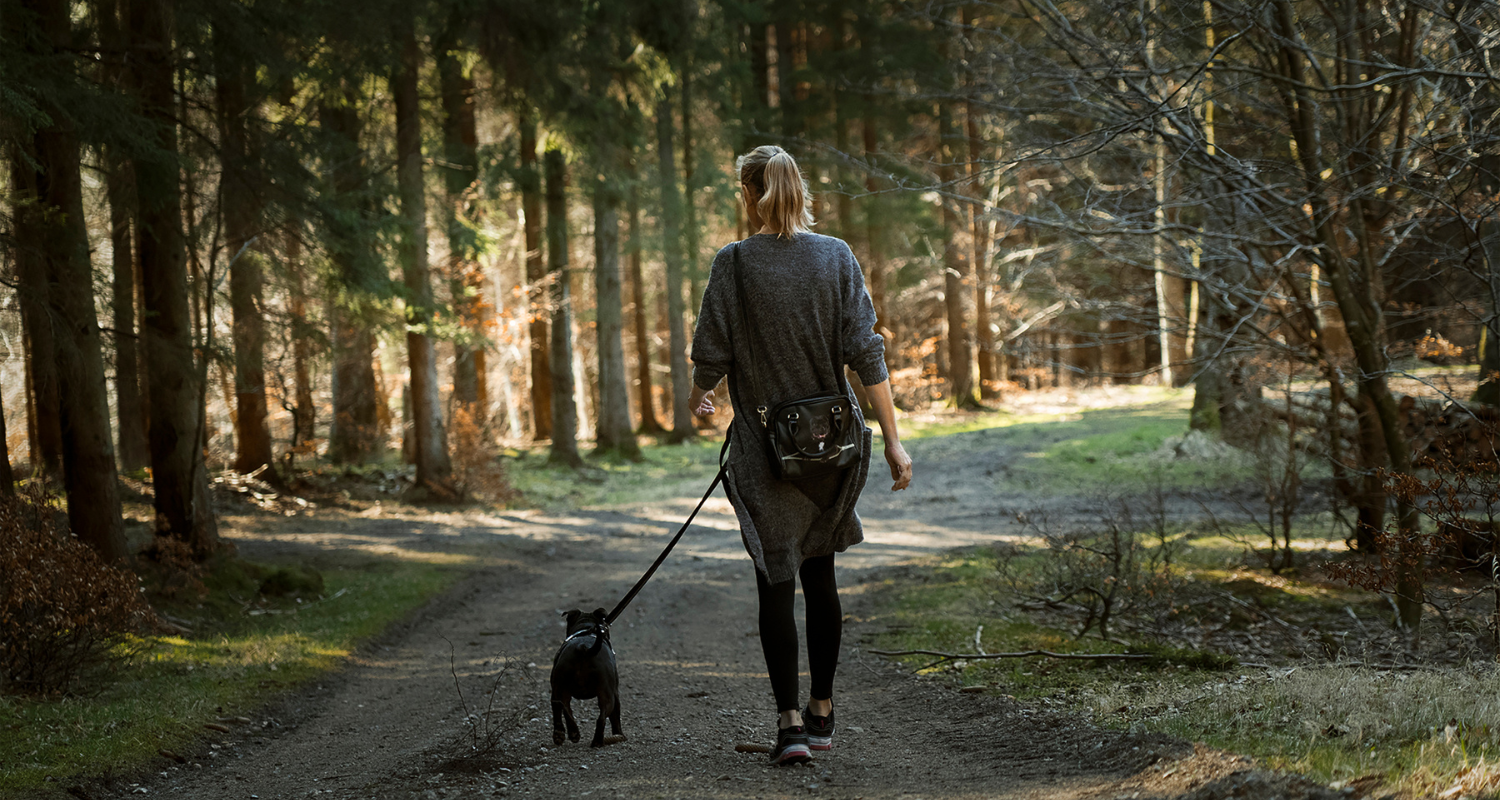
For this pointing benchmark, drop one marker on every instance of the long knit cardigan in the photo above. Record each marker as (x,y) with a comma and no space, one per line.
(803,295)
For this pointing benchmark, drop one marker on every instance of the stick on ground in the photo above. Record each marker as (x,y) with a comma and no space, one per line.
(1024,654)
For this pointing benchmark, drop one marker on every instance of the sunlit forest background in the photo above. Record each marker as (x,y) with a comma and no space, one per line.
(258,238)
(319,316)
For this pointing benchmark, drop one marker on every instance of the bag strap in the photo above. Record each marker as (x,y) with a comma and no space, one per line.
(739,293)
(641,584)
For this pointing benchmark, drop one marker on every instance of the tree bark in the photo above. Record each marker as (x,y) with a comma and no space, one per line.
(645,396)
(7,475)
(671,215)
(180,478)
(1362,320)
(49,223)
(612,431)
(564,406)
(354,429)
(242,207)
(690,193)
(304,413)
(461,218)
(1208,382)
(45,424)
(875,244)
(955,273)
(536,276)
(132,453)
(1488,389)
(434,470)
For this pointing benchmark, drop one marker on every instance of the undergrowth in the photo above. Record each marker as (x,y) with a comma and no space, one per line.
(1420,731)
(235,653)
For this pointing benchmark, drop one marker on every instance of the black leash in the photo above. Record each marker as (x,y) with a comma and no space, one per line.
(641,584)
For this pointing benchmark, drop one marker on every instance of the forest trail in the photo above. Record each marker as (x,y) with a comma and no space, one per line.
(692,678)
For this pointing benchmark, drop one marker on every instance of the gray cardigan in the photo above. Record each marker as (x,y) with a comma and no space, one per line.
(801,293)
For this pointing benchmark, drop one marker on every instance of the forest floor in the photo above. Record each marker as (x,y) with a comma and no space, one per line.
(454,702)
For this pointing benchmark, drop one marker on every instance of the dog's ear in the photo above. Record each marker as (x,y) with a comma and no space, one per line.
(600,614)
(573,616)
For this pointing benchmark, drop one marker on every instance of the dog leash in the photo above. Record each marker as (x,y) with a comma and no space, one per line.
(641,584)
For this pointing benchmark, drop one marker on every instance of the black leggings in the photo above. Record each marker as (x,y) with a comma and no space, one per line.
(778,631)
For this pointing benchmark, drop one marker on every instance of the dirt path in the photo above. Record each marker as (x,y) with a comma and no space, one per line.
(692,677)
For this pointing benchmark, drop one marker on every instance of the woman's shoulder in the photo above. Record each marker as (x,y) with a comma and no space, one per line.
(806,242)
(822,241)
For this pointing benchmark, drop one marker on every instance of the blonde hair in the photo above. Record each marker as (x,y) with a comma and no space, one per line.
(785,206)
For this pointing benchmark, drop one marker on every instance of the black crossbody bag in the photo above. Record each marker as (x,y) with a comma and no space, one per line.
(811,436)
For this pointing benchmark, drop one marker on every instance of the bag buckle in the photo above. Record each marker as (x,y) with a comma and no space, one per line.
(761,410)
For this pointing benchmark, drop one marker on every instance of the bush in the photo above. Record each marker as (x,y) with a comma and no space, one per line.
(477,468)
(63,610)
(1100,575)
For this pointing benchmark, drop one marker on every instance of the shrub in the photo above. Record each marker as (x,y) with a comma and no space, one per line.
(477,467)
(1113,572)
(63,610)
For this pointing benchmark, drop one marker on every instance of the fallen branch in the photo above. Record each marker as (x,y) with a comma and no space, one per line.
(1026,654)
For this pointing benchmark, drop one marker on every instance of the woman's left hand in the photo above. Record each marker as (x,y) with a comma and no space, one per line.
(701,402)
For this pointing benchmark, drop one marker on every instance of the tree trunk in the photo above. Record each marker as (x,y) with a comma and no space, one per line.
(304,413)
(243,207)
(536,276)
(354,430)
(45,423)
(461,218)
(132,452)
(7,475)
(690,190)
(564,405)
(612,432)
(671,215)
(979,231)
(434,470)
(645,398)
(1362,320)
(875,254)
(1488,390)
(180,478)
(49,223)
(1208,381)
(955,273)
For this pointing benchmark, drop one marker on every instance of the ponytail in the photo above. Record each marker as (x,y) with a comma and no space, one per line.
(784,205)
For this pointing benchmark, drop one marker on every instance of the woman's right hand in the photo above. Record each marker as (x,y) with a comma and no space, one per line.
(895,455)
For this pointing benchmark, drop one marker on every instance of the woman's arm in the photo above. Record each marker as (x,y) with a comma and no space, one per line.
(885,414)
(712,353)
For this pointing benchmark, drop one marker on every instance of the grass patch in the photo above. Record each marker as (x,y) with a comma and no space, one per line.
(944,604)
(1122,448)
(1420,732)
(230,664)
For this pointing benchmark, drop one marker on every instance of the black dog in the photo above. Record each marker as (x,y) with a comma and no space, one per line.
(585,668)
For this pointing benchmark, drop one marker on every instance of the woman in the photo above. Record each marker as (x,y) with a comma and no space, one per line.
(805,300)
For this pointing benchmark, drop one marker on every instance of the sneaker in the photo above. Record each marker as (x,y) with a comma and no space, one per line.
(791,747)
(819,730)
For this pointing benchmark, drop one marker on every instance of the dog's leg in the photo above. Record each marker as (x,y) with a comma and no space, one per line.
(599,725)
(573,734)
(557,719)
(614,719)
